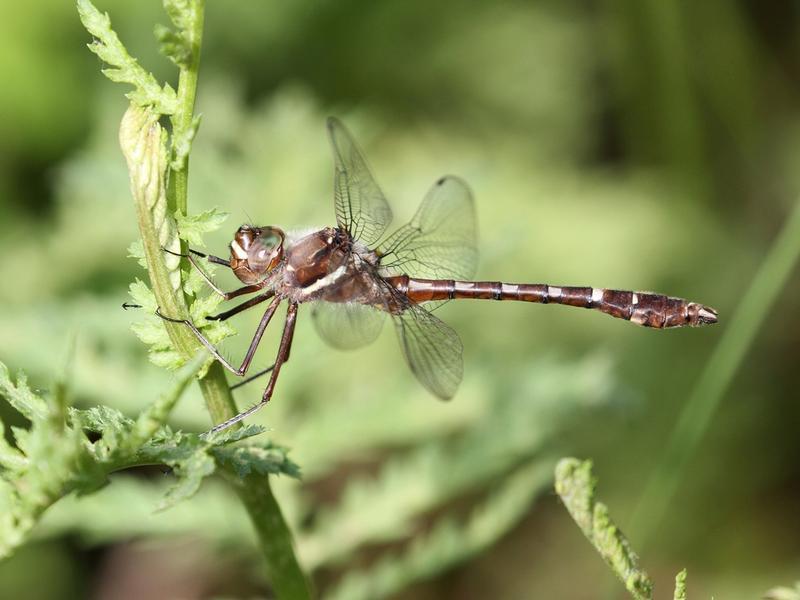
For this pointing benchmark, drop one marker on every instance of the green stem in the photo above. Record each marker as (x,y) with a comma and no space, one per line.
(275,539)
(285,573)
(182,119)
(720,370)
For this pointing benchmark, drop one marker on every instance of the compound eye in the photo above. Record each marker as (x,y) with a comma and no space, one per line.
(269,239)
(265,249)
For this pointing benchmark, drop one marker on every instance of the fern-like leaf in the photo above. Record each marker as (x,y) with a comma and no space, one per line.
(449,542)
(123,67)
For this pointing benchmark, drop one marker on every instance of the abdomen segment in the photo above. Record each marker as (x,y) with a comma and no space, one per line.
(643,308)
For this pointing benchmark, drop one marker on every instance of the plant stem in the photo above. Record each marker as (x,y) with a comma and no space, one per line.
(720,370)
(286,576)
(275,537)
(182,119)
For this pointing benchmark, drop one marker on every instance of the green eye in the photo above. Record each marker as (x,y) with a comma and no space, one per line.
(269,239)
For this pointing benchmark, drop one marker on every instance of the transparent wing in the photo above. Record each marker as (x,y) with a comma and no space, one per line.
(361,208)
(347,325)
(432,350)
(440,242)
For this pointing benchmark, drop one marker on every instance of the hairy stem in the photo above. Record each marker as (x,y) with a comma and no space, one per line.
(275,539)
(285,573)
(156,202)
(182,119)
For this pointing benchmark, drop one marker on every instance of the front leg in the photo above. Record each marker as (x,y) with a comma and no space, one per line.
(262,326)
(248,289)
(280,359)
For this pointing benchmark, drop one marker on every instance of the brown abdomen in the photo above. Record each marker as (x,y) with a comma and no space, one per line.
(643,308)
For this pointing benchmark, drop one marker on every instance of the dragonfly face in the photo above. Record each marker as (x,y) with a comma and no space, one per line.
(255,251)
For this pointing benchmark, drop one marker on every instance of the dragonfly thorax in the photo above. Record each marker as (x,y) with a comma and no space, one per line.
(316,255)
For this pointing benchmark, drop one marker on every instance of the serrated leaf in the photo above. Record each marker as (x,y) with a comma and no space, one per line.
(170,447)
(173,45)
(216,331)
(680,586)
(194,282)
(575,484)
(100,419)
(125,69)
(265,460)
(54,457)
(228,436)
(191,473)
(192,227)
(136,250)
(167,359)
(204,306)
(20,396)
(187,454)
(182,13)
(11,458)
(182,144)
(111,424)
(141,294)
(152,333)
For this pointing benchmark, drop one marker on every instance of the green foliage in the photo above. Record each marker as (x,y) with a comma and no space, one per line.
(123,67)
(182,143)
(575,484)
(192,227)
(680,586)
(159,185)
(143,144)
(718,374)
(196,457)
(56,455)
(180,45)
(502,445)
(385,508)
(449,542)
(152,330)
(551,180)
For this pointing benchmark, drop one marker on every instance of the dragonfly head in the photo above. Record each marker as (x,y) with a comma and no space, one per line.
(255,251)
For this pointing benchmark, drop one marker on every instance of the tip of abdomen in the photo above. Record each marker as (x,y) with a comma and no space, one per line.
(701,315)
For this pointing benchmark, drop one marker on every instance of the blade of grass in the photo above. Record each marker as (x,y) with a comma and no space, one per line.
(720,370)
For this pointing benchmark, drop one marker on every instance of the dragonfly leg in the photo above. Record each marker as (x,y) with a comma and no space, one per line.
(262,326)
(224,316)
(248,289)
(280,359)
(209,257)
(255,376)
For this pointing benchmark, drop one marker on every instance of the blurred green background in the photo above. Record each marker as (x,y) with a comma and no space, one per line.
(635,144)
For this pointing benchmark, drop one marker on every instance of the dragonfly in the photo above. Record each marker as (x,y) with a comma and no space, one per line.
(355,276)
